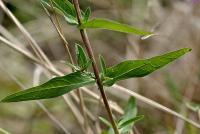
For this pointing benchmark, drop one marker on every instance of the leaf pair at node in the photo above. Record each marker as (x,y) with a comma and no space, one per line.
(81,77)
(67,10)
(126,122)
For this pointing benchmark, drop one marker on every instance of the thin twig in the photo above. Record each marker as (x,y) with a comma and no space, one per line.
(31,41)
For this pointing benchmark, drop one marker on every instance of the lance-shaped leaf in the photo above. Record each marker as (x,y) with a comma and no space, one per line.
(130,116)
(86,14)
(102,65)
(112,25)
(140,68)
(53,88)
(65,8)
(130,111)
(81,57)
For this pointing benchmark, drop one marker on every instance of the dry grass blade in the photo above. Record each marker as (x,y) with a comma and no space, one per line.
(31,41)
(8,35)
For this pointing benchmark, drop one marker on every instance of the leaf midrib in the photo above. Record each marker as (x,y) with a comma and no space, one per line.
(51,88)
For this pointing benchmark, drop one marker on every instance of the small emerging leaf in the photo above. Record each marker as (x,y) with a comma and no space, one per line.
(83,61)
(102,64)
(140,68)
(112,25)
(86,14)
(65,8)
(53,88)
(81,56)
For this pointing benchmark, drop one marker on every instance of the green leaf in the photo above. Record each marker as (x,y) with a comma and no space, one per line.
(65,8)
(140,68)
(86,14)
(102,64)
(130,113)
(106,122)
(112,25)
(53,88)
(127,121)
(2,131)
(127,125)
(82,59)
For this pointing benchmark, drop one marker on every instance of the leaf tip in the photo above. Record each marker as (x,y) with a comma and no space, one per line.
(189,49)
(3,100)
(9,98)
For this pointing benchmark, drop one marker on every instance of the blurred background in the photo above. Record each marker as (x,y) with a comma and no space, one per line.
(176,24)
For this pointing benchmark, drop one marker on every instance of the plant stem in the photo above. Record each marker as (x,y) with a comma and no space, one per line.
(94,65)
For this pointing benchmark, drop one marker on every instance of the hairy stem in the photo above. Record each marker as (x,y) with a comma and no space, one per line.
(94,65)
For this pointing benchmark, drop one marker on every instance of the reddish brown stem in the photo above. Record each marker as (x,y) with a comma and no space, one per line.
(94,65)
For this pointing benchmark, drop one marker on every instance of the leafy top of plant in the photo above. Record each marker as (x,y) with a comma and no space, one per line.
(66,8)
